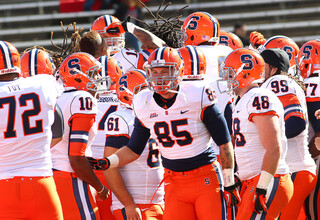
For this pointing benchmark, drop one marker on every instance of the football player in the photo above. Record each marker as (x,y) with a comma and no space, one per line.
(92,43)
(230,39)
(73,174)
(182,118)
(291,94)
(27,106)
(135,185)
(203,30)
(309,67)
(258,115)
(112,30)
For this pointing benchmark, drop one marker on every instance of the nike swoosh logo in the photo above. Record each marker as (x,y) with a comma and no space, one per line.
(182,112)
(144,209)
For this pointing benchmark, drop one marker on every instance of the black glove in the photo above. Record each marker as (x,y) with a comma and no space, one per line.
(231,195)
(260,200)
(104,163)
(94,163)
(115,29)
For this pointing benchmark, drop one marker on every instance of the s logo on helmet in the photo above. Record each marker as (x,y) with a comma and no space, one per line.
(123,81)
(193,24)
(247,60)
(306,52)
(74,64)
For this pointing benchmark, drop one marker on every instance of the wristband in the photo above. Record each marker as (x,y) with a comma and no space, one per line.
(228,177)
(114,160)
(264,180)
(130,27)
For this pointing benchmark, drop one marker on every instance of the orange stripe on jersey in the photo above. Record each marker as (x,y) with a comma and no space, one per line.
(291,106)
(118,135)
(313,99)
(203,111)
(261,114)
(80,125)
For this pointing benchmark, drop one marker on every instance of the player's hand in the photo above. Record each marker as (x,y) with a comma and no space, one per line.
(94,163)
(115,29)
(231,195)
(133,212)
(260,200)
(317,114)
(256,39)
(103,194)
(104,163)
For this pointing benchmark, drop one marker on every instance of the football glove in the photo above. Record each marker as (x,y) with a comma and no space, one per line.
(256,39)
(115,29)
(260,200)
(231,195)
(94,163)
(104,163)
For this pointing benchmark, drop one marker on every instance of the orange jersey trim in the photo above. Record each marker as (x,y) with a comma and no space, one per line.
(313,99)
(261,114)
(79,133)
(118,135)
(203,111)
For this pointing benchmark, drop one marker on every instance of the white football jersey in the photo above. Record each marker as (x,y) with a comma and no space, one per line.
(27,110)
(179,129)
(128,59)
(142,176)
(215,56)
(71,103)
(293,100)
(106,105)
(249,150)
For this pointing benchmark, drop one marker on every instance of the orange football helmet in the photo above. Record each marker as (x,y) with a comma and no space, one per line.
(112,68)
(309,58)
(164,57)
(240,62)
(194,62)
(200,27)
(230,39)
(82,72)
(130,84)
(100,25)
(36,61)
(286,44)
(9,59)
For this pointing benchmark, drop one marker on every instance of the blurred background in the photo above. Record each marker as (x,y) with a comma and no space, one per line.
(26,23)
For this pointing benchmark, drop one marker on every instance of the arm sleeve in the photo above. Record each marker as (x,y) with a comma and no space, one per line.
(57,126)
(139,137)
(116,141)
(216,125)
(228,116)
(294,126)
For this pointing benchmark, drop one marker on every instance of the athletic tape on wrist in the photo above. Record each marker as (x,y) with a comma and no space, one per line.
(264,180)
(114,160)
(130,27)
(228,177)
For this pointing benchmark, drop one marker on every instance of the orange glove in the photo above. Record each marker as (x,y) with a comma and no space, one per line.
(256,39)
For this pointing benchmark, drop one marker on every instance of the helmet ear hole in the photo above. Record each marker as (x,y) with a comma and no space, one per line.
(306,65)
(78,80)
(192,37)
(126,98)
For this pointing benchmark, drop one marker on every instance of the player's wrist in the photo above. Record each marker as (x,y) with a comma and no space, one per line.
(228,177)
(264,180)
(113,160)
(100,191)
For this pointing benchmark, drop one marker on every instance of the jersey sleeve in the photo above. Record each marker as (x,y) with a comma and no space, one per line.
(208,97)
(84,103)
(49,89)
(128,59)
(262,104)
(116,125)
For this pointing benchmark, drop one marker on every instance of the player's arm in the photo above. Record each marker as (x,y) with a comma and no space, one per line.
(57,128)
(313,110)
(148,40)
(80,125)
(115,139)
(119,188)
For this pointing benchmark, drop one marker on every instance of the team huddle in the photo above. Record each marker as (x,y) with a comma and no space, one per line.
(205,130)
